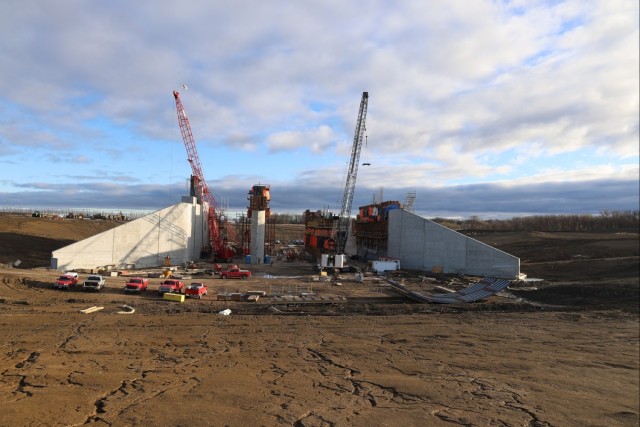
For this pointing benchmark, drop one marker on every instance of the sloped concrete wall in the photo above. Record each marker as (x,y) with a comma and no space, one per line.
(177,231)
(422,244)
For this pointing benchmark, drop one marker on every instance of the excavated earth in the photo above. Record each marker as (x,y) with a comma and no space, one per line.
(558,351)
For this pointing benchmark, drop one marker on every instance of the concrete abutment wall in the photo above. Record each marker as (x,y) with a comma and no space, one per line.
(422,244)
(177,231)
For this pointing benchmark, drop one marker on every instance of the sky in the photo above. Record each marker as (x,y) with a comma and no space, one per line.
(482,108)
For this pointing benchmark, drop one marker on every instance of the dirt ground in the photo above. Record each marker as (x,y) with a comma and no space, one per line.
(562,350)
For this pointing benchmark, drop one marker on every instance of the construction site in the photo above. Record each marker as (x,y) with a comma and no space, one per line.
(197,230)
(186,316)
(314,348)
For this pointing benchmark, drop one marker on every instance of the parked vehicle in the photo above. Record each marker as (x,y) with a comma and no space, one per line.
(136,284)
(196,290)
(217,268)
(66,281)
(235,273)
(93,283)
(171,285)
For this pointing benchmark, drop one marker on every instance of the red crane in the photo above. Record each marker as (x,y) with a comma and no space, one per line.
(220,246)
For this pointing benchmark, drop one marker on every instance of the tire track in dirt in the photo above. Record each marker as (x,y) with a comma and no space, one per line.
(73,331)
(132,393)
(20,390)
(309,419)
(370,394)
(16,382)
(491,390)
(33,358)
(327,364)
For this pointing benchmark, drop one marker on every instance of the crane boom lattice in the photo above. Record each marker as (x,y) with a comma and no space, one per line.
(352,174)
(219,244)
(192,154)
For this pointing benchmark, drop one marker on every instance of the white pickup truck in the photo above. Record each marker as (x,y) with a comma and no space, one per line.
(93,283)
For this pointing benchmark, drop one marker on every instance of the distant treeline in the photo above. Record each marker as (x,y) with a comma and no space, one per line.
(606,221)
(74,213)
(287,218)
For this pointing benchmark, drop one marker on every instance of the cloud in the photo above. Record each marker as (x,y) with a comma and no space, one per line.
(464,97)
(499,199)
(317,140)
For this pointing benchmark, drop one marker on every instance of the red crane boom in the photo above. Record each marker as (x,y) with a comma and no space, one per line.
(219,245)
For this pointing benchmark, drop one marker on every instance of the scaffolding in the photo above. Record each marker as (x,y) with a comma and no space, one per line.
(318,230)
(245,234)
(371,229)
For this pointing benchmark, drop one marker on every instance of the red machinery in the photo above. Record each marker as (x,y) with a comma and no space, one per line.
(220,246)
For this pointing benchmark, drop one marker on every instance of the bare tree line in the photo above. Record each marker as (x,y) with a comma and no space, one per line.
(605,221)
(74,213)
(287,218)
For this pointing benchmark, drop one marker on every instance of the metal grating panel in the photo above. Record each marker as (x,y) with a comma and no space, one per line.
(478,291)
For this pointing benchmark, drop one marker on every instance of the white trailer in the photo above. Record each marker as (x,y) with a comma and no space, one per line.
(386,265)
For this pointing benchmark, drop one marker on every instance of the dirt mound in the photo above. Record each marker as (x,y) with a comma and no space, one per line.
(31,240)
(593,296)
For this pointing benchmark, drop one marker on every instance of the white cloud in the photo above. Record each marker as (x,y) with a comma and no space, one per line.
(555,175)
(317,140)
(453,86)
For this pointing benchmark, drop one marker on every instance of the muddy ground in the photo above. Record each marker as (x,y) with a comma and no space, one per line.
(560,351)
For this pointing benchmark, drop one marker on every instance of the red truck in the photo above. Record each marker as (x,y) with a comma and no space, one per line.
(196,290)
(171,285)
(136,284)
(66,281)
(235,273)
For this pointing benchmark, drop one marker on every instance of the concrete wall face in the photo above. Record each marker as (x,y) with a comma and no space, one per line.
(350,246)
(258,229)
(422,244)
(177,231)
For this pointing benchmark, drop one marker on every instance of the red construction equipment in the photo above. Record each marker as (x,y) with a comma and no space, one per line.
(221,248)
